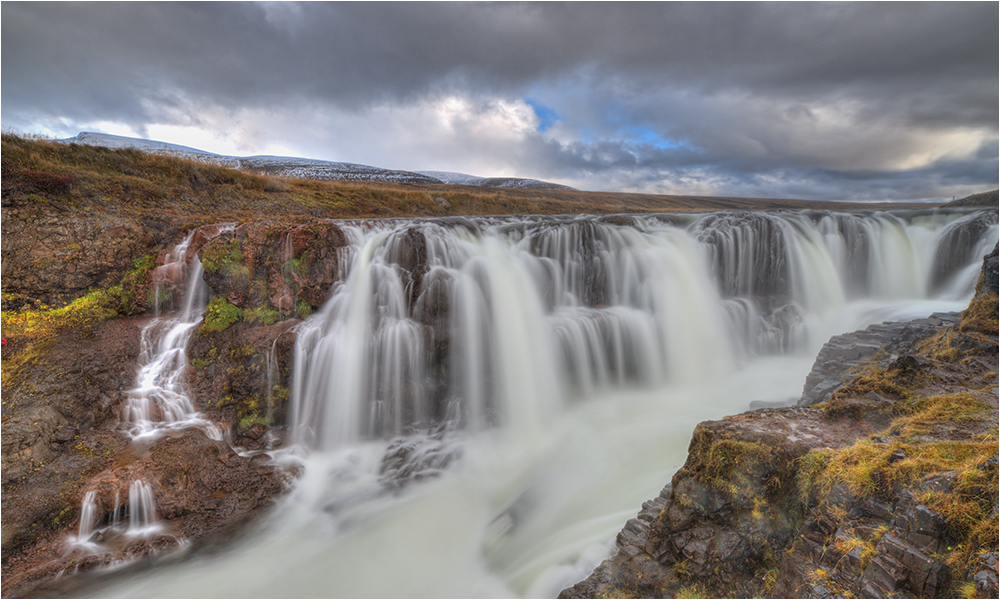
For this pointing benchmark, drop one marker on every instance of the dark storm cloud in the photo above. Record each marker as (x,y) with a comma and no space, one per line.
(360,51)
(745,87)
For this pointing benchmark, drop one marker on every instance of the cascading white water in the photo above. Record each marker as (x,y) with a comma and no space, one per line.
(88,518)
(160,401)
(142,520)
(100,524)
(545,374)
(536,310)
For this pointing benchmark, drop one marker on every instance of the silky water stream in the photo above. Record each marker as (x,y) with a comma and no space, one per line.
(158,404)
(482,425)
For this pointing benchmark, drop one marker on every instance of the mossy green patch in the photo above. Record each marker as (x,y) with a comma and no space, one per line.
(202,363)
(303,309)
(219,315)
(248,421)
(43,322)
(262,315)
(33,323)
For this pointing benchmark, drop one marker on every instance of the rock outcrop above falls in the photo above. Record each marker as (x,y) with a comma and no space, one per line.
(853,350)
(882,483)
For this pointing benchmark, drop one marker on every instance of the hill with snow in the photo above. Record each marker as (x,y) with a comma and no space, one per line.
(306,168)
(503,182)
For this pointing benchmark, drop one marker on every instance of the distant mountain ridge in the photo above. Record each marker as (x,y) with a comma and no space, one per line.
(307,168)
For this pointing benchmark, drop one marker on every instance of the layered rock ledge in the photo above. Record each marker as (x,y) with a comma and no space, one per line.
(881,483)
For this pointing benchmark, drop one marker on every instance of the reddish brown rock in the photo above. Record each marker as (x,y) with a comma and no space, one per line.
(56,257)
(274,264)
(203,491)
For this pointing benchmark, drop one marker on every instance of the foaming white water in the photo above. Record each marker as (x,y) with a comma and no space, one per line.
(515,516)
(103,524)
(88,522)
(547,375)
(161,401)
(142,520)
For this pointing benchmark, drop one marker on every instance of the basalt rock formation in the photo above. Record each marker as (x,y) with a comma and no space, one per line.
(881,483)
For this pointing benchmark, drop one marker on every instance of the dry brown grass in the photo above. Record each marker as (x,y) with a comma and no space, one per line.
(40,173)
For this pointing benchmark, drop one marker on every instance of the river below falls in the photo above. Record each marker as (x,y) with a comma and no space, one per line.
(517,515)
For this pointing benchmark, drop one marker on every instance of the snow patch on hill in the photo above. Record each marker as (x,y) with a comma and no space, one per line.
(106,140)
(305,168)
(504,182)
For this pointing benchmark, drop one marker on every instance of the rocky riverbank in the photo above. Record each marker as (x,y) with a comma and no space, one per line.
(882,482)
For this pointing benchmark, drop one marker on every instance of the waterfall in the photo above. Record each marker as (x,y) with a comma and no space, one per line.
(142,519)
(483,402)
(102,523)
(160,400)
(502,321)
(88,517)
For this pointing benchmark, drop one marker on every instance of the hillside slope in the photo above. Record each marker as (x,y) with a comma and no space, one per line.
(301,168)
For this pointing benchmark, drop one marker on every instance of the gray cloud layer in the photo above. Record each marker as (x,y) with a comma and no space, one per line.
(813,100)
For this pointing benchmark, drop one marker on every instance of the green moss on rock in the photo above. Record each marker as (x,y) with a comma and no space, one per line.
(219,315)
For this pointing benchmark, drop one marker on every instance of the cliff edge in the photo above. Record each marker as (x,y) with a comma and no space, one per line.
(881,483)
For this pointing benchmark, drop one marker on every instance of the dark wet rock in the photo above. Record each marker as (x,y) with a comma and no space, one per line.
(988,282)
(985,578)
(918,524)
(241,376)
(844,352)
(957,246)
(877,508)
(619,220)
(749,255)
(416,457)
(407,249)
(972,344)
(579,247)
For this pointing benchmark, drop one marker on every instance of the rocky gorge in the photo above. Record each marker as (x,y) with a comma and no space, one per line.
(94,286)
(881,482)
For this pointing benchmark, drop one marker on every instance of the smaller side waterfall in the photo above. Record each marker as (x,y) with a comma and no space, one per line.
(106,520)
(142,519)
(88,518)
(161,401)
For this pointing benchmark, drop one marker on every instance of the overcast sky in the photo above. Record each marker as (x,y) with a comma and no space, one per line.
(864,101)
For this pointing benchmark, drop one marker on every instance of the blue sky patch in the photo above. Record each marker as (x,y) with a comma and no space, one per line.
(547,116)
(647,135)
